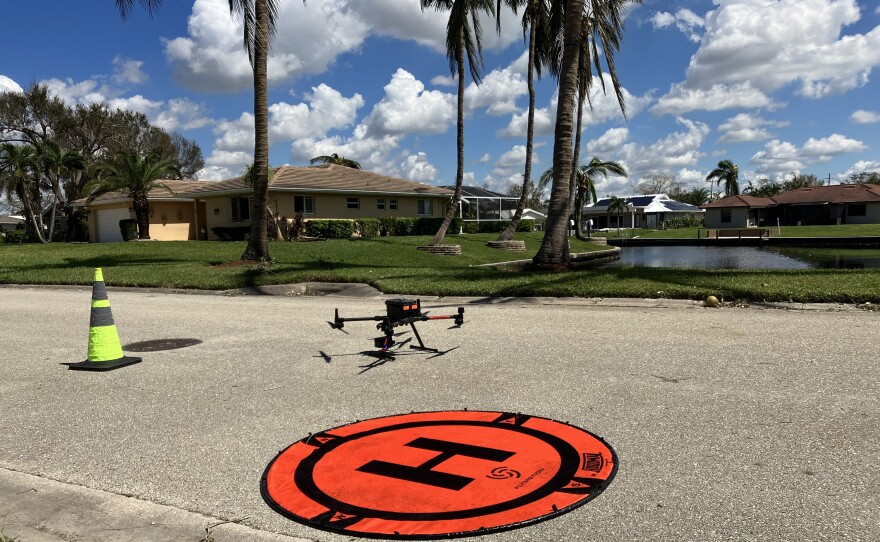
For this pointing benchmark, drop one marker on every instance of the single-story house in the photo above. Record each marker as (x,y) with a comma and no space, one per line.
(644,211)
(814,205)
(318,192)
(11,222)
(741,211)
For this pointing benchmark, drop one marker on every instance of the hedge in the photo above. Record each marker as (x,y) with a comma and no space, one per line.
(497,226)
(16,236)
(236,233)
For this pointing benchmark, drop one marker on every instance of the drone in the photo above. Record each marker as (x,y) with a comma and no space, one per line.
(399,312)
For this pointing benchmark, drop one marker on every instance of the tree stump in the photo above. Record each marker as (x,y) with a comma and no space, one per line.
(514,246)
(443,250)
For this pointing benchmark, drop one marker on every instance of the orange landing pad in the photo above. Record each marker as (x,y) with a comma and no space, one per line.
(429,475)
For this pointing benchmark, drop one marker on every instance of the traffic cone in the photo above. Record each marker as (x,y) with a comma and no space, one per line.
(105,352)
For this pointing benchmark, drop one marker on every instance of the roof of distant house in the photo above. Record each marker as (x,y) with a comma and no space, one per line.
(651,203)
(837,193)
(179,192)
(325,178)
(740,201)
(8,219)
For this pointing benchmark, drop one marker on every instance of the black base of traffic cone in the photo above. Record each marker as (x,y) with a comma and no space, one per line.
(103,365)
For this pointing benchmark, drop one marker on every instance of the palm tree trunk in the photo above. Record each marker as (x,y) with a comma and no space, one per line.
(258,243)
(459,173)
(142,215)
(508,232)
(554,246)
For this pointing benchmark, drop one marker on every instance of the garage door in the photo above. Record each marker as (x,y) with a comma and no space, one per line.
(108,224)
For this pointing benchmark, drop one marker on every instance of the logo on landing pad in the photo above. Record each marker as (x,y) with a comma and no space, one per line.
(438,474)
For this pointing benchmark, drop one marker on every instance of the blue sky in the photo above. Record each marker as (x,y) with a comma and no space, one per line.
(774,85)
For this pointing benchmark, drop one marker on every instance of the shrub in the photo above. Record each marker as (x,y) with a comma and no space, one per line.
(235,233)
(429,226)
(16,236)
(128,227)
(367,227)
(330,229)
(497,226)
(687,221)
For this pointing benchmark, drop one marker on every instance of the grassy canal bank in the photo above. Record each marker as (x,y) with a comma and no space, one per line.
(393,265)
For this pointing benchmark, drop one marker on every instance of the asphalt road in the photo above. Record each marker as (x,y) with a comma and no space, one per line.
(730,424)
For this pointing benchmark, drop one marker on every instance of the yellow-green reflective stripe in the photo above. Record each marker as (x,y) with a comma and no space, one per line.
(100,303)
(104,344)
(99,275)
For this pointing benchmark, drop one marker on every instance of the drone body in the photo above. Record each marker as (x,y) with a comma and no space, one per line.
(399,312)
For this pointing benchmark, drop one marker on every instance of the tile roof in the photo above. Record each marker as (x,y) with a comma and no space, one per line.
(839,193)
(325,178)
(180,190)
(740,201)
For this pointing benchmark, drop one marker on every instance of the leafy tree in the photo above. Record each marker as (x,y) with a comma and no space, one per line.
(585,177)
(869,177)
(617,205)
(656,184)
(728,173)
(135,176)
(801,181)
(335,159)
(259,18)
(95,131)
(464,37)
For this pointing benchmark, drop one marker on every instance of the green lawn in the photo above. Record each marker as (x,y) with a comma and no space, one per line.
(393,265)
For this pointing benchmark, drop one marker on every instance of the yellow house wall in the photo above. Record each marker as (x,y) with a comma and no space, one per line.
(165,225)
(172,221)
(327,206)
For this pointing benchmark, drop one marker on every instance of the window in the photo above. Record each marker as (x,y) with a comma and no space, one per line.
(426,207)
(857,210)
(726,215)
(380,203)
(241,209)
(353,203)
(304,205)
(392,204)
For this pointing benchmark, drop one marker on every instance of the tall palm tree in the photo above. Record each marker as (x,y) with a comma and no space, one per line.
(602,25)
(335,159)
(464,37)
(135,176)
(728,173)
(17,166)
(617,205)
(259,18)
(535,22)
(554,246)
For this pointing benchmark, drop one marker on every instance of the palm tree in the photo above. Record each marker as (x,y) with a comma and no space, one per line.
(463,38)
(335,159)
(726,172)
(135,176)
(535,16)
(586,187)
(18,165)
(617,205)
(554,246)
(602,24)
(259,18)
(695,196)
(63,169)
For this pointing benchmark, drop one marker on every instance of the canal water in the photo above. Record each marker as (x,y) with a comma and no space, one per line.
(746,257)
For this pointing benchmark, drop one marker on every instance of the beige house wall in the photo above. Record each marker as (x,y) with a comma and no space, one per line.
(169,221)
(327,206)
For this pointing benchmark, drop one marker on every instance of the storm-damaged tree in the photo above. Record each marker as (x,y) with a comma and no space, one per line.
(135,175)
(335,159)
(464,38)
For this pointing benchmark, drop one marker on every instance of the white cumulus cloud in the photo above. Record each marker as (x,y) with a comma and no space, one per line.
(862,116)
(326,109)
(746,127)
(778,157)
(408,108)
(8,85)
(127,70)
(685,20)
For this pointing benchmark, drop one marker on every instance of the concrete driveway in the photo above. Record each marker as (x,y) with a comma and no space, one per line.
(730,424)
